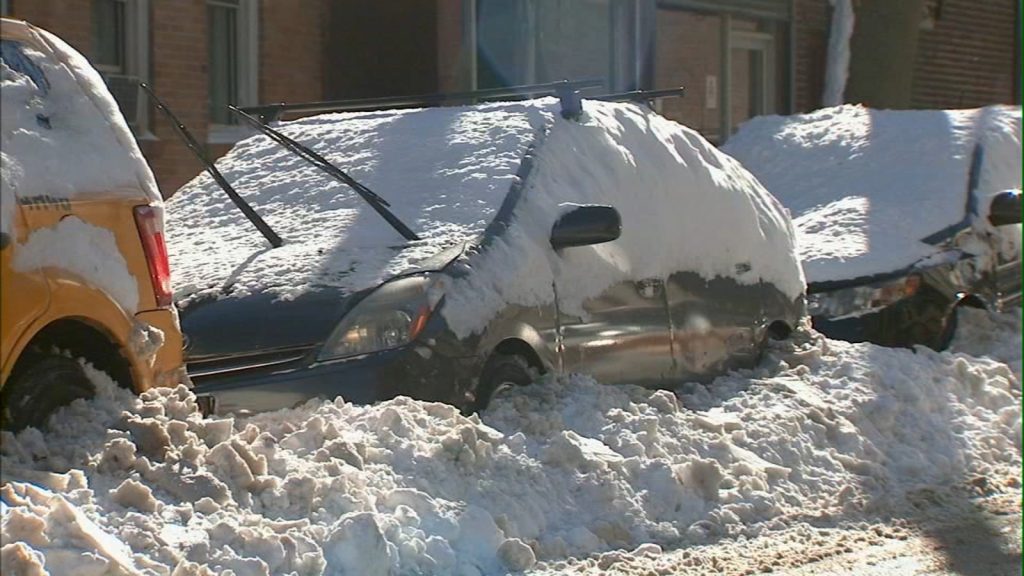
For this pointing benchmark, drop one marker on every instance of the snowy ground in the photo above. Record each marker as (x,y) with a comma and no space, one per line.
(829,458)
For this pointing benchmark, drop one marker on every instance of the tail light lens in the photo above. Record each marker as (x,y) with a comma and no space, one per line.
(150,221)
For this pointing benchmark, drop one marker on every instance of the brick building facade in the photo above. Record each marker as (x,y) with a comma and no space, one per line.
(736,58)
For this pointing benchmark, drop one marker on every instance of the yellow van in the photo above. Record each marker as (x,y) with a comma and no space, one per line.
(83,267)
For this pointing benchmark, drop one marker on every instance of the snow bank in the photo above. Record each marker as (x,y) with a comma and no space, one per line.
(865,186)
(87,149)
(684,206)
(825,433)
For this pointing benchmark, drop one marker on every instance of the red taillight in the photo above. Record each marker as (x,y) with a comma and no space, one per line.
(150,221)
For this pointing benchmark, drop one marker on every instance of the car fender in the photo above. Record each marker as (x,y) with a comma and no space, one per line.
(72,298)
(518,330)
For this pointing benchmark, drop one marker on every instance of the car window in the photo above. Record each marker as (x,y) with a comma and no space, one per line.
(14,56)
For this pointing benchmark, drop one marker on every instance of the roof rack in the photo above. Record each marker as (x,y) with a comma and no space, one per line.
(642,95)
(572,101)
(272,112)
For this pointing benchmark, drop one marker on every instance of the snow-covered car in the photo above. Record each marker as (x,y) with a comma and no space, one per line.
(902,217)
(517,265)
(84,274)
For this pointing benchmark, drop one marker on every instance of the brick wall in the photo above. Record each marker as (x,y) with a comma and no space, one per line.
(687,51)
(965,55)
(179,76)
(291,50)
(811,27)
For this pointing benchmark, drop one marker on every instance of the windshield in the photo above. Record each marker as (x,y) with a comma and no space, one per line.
(446,172)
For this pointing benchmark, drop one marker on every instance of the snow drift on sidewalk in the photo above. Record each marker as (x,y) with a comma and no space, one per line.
(826,432)
(865,186)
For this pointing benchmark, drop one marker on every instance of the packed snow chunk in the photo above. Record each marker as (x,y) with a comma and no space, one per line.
(865,186)
(357,546)
(445,172)
(516,555)
(133,494)
(63,134)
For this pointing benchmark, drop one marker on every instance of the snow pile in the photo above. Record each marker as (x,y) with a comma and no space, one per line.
(866,186)
(63,134)
(684,206)
(825,433)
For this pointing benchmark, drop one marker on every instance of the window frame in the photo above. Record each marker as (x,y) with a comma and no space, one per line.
(247,49)
(137,42)
(762,44)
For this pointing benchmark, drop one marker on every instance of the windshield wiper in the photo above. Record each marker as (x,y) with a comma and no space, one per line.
(214,173)
(302,151)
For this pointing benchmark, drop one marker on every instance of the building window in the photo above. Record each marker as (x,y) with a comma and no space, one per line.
(233,54)
(531,41)
(121,54)
(5,7)
(111,36)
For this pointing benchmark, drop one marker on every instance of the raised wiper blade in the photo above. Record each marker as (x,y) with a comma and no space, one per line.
(302,151)
(214,173)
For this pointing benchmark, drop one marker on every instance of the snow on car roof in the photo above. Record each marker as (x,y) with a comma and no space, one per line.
(865,186)
(446,171)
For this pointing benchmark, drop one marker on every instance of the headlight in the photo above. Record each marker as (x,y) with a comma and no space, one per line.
(391,316)
(858,300)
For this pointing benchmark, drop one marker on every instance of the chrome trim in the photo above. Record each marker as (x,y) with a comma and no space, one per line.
(211,365)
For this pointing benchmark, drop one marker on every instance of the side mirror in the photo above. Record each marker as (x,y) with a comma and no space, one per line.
(586,225)
(1005,208)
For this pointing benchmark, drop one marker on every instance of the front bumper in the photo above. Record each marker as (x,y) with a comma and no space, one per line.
(413,370)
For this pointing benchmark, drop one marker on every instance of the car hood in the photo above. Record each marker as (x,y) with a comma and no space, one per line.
(224,323)
(222,327)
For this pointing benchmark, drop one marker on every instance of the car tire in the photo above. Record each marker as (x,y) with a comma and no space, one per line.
(501,372)
(33,394)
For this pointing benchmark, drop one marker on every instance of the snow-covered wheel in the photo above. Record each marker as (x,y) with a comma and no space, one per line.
(502,371)
(32,394)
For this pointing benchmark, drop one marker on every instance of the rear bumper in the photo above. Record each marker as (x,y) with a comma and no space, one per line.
(414,370)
